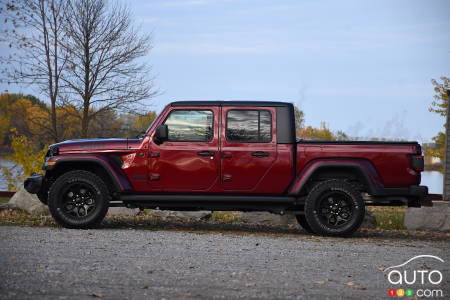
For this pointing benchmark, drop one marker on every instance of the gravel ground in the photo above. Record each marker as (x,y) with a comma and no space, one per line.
(55,263)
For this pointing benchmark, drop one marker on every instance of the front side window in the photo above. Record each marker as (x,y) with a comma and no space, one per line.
(249,126)
(190,126)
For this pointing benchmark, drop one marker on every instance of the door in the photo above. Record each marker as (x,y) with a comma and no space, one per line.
(248,146)
(189,160)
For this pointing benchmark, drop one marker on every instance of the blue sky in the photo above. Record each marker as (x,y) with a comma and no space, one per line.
(361,66)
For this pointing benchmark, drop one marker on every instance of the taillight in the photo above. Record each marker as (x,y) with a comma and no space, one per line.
(417,163)
(418,149)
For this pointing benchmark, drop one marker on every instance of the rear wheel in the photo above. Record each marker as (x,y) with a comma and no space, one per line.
(334,208)
(78,199)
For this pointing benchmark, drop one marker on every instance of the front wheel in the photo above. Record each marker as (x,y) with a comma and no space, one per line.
(78,199)
(301,219)
(334,208)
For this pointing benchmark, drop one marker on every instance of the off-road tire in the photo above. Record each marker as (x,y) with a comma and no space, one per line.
(301,219)
(318,219)
(99,191)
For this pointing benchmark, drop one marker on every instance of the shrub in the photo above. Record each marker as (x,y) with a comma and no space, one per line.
(26,161)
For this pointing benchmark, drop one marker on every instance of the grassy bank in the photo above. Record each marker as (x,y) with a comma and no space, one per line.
(389,218)
(221,226)
(4,199)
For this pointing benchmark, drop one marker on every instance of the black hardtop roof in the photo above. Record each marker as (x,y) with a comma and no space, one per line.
(230,103)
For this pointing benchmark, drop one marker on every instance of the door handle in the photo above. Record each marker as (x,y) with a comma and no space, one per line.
(260,154)
(227,177)
(226,155)
(154,176)
(205,153)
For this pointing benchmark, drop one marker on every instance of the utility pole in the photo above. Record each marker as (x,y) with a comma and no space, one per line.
(446,196)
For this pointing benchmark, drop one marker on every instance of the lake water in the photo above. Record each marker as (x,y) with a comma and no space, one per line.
(432,179)
(4,164)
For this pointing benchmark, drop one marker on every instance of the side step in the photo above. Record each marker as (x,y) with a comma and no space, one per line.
(206,198)
(209,202)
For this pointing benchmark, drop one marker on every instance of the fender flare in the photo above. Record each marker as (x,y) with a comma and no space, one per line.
(363,167)
(116,175)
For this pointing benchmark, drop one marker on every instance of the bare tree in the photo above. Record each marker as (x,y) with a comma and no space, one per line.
(33,30)
(106,59)
(299,117)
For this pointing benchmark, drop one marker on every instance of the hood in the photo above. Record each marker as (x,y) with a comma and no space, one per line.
(98,144)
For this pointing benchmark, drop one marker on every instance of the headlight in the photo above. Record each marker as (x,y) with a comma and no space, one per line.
(52,151)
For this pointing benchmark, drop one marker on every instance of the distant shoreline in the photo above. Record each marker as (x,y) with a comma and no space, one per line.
(434,167)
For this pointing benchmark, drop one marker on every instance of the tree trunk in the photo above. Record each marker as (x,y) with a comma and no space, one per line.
(446,191)
(85,122)
(87,94)
(54,121)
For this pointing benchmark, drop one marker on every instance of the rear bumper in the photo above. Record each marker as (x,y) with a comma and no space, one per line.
(414,195)
(33,184)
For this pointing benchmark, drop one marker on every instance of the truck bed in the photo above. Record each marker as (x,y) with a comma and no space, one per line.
(302,141)
(391,161)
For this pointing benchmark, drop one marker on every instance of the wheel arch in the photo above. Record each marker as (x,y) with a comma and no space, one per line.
(360,171)
(104,169)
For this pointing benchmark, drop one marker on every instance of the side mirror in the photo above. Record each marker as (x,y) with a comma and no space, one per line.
(161,134)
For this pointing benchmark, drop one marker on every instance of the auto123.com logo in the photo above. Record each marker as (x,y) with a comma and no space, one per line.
(420,281)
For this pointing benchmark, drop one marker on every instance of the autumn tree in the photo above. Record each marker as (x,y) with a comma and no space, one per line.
(299,117)
(106,66)
(322,133)
(25,159)
(440,102)
(33,31)
(25,114)
(142,122)
(439,106)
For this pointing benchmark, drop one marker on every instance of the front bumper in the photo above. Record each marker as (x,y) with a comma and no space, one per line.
(33,184)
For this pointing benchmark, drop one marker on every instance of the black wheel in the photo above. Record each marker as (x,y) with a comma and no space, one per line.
(78,199)
(42,196)
(301,219)
(334,208)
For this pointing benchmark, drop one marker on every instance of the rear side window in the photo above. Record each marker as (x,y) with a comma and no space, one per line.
(249,126)
(190,125)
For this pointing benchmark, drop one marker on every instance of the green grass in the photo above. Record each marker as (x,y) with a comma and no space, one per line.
(389,218)
(4,199)
(225,216)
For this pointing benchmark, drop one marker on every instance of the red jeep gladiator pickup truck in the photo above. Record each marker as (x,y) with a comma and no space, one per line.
(229,155)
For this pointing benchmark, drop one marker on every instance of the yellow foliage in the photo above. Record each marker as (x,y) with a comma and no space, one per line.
(142,122)
(69,124)
(5,115)
(29,120)
(437,151)
(440,103)
(27,161)
(322,133)
(439,106)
